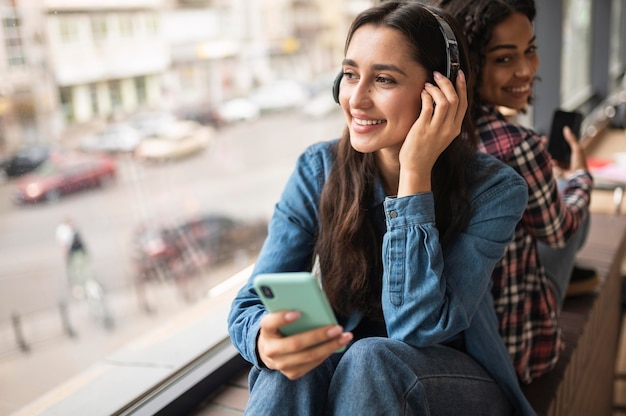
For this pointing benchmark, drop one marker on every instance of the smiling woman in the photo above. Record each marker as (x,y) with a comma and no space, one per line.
(402,220)
(73,68)
(539,262)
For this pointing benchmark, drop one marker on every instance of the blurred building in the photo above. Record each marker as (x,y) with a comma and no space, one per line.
(27,95)
(65,64)
(106,57)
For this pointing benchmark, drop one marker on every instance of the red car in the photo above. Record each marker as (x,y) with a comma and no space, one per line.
(63,175)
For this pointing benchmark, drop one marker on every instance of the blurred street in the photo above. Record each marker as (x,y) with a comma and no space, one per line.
(240,175)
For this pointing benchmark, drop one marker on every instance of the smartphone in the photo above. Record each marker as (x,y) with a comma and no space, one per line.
(557,146)
(298,291)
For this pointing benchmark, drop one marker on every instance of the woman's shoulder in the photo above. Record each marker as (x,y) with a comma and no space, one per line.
(498,135)
(321,148)
(316,160)
(496,185)
(491,171)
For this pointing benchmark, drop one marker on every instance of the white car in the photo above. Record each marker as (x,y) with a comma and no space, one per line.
(152,123)
(114,138)
(238,109)
(321,105)
(280,95)
(181,139)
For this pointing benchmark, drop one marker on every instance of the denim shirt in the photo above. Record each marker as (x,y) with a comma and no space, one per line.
(429,296)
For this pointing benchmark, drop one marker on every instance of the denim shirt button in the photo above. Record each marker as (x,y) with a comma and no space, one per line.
(393,214)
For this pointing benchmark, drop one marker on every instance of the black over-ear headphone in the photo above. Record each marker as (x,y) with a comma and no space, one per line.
(453,63)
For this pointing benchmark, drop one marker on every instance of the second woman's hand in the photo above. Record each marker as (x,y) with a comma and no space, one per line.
(578,160)
(296,355)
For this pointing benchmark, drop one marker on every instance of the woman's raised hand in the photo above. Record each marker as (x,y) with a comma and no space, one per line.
(439,122)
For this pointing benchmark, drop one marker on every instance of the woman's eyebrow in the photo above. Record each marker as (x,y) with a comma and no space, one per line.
(376,67)
(505,46)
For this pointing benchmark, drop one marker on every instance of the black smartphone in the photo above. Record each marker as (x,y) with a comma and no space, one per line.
(557,146)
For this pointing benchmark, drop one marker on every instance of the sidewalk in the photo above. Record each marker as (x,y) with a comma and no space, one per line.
(54,357)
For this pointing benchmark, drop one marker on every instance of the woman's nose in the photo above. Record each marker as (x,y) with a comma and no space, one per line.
(360,96)
(526,68)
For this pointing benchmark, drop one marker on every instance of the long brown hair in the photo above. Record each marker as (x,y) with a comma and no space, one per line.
(350,254)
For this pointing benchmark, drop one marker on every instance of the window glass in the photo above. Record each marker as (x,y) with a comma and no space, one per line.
(154,139)
(99,28)
(616,56)
(575,57)
(164,134)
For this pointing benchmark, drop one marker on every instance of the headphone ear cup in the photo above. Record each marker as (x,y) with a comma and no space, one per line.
(336,85)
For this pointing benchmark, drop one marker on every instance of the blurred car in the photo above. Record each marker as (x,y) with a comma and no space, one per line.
(238,110)
(181,139)
(65,175)
(321,105)
(280,95)
(186,248)
(25,160)
(114,138)
(151,123)
(204,114)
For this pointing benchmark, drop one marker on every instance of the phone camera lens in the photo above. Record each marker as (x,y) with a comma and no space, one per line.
(267,292)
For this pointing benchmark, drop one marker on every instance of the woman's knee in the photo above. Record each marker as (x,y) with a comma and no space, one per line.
(369,350)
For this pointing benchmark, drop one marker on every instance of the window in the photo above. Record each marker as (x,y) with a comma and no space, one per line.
(616,56)
(126,25)
(67,103)
(575,57)
(69,30)
(94,99)
(12,39)
(99,28)
(151,23)
(140,87)
(148,229)
(115,93)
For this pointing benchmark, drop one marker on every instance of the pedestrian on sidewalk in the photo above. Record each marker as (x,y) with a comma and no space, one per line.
(79,271)
(74,250)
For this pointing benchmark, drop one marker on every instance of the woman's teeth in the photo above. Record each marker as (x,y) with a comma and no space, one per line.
(367,122)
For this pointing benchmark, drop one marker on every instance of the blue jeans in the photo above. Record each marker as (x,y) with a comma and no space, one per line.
(559,262)
(380,376)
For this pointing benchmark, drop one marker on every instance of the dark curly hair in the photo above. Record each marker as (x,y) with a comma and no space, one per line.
(478,18)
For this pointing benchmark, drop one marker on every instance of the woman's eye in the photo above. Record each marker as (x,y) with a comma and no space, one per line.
(349,75)
(503,59)
(384,80)
(532,50)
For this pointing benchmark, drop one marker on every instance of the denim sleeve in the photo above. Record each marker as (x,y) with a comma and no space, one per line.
(429,295)
(288,247)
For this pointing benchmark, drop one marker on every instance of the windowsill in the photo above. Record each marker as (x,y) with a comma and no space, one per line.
(147,374)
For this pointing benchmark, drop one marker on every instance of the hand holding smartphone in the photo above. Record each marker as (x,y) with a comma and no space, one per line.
(558,147)
(298,291)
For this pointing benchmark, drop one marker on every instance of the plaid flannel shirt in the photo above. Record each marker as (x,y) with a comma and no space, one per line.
(524,296)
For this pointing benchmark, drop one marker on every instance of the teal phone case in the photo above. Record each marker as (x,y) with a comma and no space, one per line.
(295,291)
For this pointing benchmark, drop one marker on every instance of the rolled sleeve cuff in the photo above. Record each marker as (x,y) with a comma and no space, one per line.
(409,210)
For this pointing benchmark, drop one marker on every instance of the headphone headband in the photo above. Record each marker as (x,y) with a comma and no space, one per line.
(453,63)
